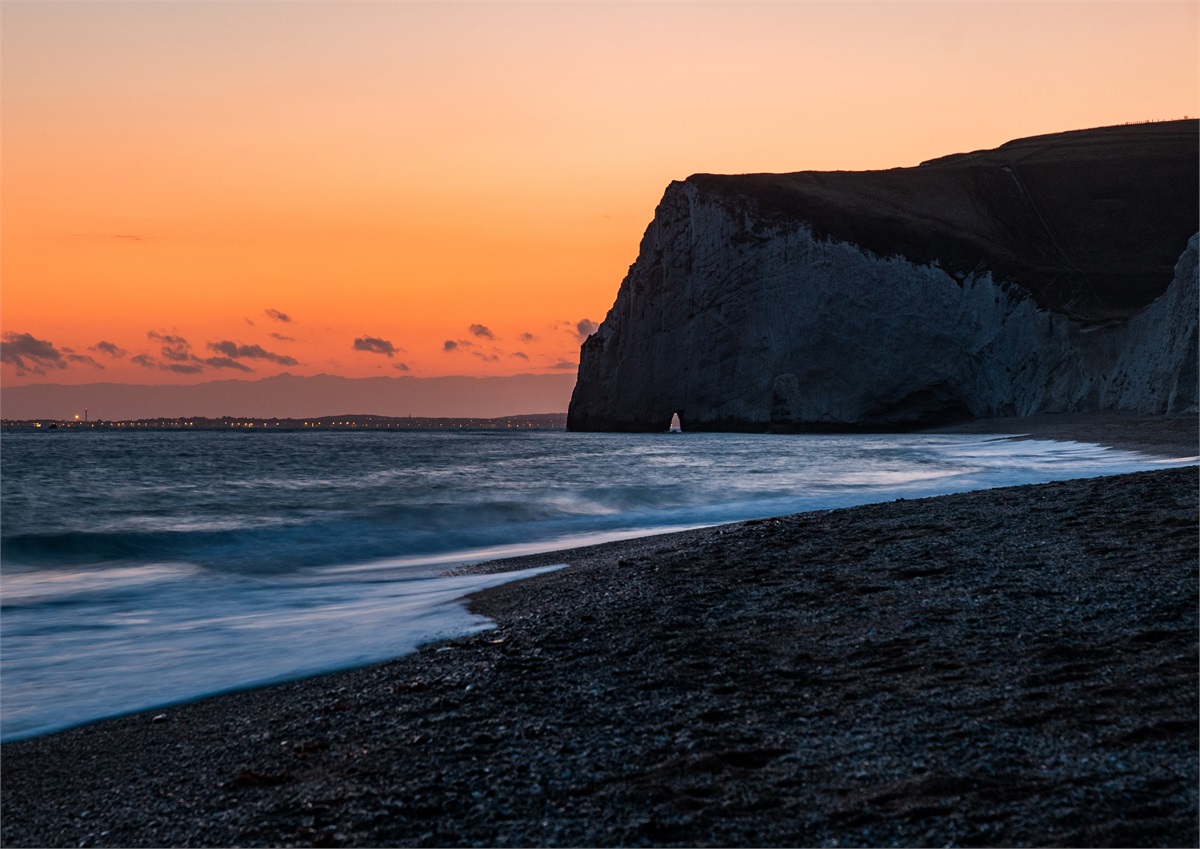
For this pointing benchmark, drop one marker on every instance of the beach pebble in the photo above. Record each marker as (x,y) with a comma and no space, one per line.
(749,693)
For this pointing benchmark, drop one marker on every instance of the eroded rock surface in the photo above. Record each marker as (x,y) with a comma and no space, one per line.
(1043,276)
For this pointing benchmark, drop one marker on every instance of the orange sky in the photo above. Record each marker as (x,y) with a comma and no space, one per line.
(179,178)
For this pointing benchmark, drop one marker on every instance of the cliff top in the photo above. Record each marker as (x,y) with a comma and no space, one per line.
(1091,222)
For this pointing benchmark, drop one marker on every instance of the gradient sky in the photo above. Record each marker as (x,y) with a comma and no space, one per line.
(200,190)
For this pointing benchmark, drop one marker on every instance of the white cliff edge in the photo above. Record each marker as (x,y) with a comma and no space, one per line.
(740,324)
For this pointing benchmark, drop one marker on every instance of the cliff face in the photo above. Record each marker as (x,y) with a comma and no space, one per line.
(1043,276)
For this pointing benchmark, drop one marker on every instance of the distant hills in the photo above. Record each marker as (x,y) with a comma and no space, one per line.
(351,421)
(292,396)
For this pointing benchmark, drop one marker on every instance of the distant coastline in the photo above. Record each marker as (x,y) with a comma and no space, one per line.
(292,397)
(532,421)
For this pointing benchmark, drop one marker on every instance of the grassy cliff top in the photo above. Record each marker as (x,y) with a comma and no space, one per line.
(1091,222)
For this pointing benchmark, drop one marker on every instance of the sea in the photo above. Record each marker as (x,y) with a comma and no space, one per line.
(141,569)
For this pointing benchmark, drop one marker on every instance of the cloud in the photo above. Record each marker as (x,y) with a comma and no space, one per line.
(28,354)
(282,338)
(481,331)
(372,345)
(178,356)
(82,358)
(487,358)
(224,362)
(174,348)
(109,349)
(585,327)
(229,349)
(565,364)
(520,354)
(234,351)
(400,366)
(527,337)
(457,344)
(147,361)
(276,315)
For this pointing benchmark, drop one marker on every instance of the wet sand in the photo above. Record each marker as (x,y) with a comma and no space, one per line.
(1165,436)
(1006,667)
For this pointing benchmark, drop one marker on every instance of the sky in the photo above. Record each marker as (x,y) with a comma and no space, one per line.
(193,191)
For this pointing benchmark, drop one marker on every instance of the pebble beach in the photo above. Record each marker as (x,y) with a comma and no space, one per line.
(1007,667)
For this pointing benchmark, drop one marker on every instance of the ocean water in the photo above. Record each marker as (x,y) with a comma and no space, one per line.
(144,568)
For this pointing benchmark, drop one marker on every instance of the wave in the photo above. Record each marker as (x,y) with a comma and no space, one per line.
(522,492)
(386,531)
(76,548)
(138,577)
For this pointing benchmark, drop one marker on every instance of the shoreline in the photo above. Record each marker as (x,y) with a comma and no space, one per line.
(1166,437)
(1013,666)
(1162,436)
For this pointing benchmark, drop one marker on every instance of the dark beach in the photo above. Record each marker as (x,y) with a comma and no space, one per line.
(1006,667)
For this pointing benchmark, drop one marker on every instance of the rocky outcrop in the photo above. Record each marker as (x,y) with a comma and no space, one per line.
(1156,371)
(1042,276)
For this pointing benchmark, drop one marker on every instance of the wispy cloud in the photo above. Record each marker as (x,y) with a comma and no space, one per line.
(481,331)
(176,355)
(375,345)
(224,362)
(276,315)
(108,349)
(82,358)
(527,337)
(400,366)
(29,354)
(520,354)
(565,364)
(449,345)
(585,327)
(174,348)
(282,338)
(235,351)
(581,329)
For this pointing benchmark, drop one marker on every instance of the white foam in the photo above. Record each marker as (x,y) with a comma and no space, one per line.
(162,641)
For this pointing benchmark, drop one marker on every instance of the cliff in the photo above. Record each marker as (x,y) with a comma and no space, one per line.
(1053,273)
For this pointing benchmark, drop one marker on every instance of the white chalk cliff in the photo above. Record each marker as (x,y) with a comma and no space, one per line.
(748,314)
